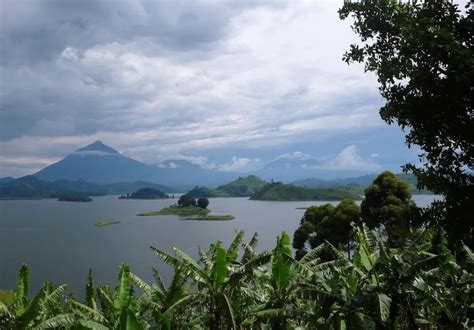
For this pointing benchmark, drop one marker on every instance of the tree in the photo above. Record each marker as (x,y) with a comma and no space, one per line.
(422,55)
(388,202)
(326,223)
(186,200)
(203,202)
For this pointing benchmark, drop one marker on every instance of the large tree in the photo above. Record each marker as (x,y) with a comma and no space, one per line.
(388,202)
(326,223)
(422,54)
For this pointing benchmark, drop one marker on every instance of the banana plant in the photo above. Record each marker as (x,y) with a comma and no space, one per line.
(42,312)
(217,277)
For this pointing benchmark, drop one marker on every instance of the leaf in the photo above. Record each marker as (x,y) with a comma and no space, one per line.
(220,265)
(281,266)
(384,302)
(60,321)
(54,298)
(232,251)
(132,322)
(88,311)
(123,291)
(231,311)
(88,324)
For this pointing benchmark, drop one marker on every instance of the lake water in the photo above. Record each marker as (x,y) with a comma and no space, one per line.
(61,242)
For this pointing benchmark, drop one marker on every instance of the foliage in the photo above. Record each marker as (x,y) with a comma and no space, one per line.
(145,193)
(277,191)
(242,187)
(186,200)
(235,287)
(203,202)
(422,55)
(201,192)
(326,223)
(388,202)
(73,197)
(182,211)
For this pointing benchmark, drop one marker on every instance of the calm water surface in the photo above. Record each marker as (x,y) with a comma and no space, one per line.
(61,242)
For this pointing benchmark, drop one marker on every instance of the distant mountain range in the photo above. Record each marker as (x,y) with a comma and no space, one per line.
(98,163)
(98,169)
(363,180)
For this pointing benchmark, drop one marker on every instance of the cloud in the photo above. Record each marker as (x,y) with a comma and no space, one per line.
(349,159)
(240,165)
(162,79)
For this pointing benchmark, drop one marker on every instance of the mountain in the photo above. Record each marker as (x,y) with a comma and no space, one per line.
(27,187)
(297,166)
(364,181)
(6,179)
(32,187)
(101,164)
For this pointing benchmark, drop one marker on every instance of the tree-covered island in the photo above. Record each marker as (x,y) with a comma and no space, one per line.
(73,197)
(145,193)
(188,208)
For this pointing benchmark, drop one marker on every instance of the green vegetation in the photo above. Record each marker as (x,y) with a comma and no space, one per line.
(186,200)
(145,193)
(182,211)
(202,192)
(203,202)
(212,218)
(242,187)
(388,202)
(420,284)
(422,56)
(7,297)
(106,223)
(74,197)
(278,191)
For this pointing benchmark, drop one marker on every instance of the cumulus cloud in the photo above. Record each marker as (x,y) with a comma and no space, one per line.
(240,164)
(349,159)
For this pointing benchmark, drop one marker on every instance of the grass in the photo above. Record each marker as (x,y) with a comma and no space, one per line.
(7,297)
(182,211)
(212,218)
(106,223)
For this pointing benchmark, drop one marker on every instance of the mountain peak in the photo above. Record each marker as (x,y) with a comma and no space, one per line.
(98,146)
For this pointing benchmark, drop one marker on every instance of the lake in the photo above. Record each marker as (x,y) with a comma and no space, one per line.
(61,242)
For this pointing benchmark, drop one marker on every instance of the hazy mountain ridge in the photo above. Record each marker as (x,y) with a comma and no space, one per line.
(363,180)
(32,187)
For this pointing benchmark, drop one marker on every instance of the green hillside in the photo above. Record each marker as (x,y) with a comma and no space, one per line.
(287,192)
(242,187)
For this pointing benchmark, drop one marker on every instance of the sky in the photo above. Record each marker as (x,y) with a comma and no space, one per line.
(228,85)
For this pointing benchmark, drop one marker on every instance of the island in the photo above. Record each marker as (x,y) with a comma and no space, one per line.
(74,197)
(189,209)
(277,191)
(103,223)
(145,193)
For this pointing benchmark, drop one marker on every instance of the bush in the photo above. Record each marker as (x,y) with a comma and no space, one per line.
(186,200)
(203,202)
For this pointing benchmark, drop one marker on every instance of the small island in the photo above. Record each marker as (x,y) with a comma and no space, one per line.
(189,209)
(145,193)
(106,223)
(74,197)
